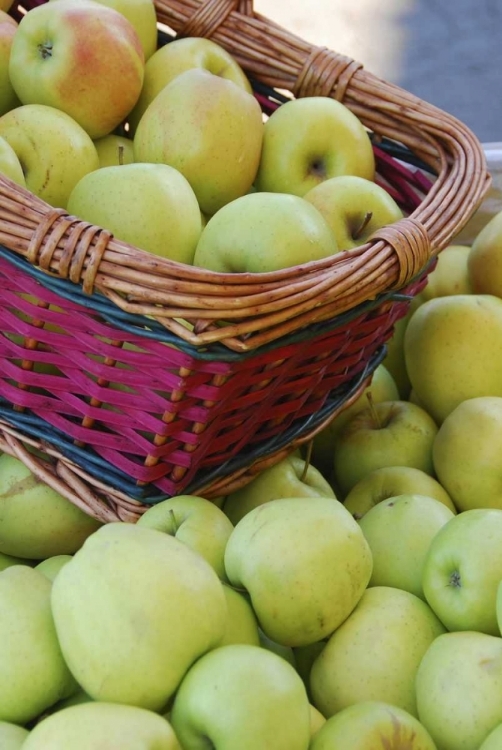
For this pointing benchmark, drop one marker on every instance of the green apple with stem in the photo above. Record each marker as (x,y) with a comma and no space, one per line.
(309,140)
(51,566)
(194,521)
(52,148)
(290,477)
(208,128)
(135,580)
(80,57)
(375,653)
(453,351)
(468,468)
(34,675)
(459,689)
(241,624)
(399,531)
(150,206)
(8,97)
(114,150)
(175,58)
(354,207)
(56,526)
(12,736)
(373,724)
(390,481)
(93,725)
(483,263)
(389,433)
(242,697)
(262,232)
(305,564)
(462,571)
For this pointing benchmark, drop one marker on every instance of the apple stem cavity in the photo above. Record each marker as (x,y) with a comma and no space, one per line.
(366,220)
(455,580)
(374,413)
(45,50)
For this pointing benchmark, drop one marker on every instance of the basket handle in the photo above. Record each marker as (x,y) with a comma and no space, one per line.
(210,15)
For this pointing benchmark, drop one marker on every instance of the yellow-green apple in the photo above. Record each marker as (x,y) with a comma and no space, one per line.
(34,675)
(151,206)
(178,56)
(10,166)
(305,564)
(241,625)
(373,725)
(462,571)
(399,531)
(154,599)
(141,14)
(8,97)
(80,57)
(453,351)
(55,527)
(354,208)
(459,689)
(390,481)
(309,140)
(305,656)
(242,697)
(389,433)
(375,654)
(290,477)
(114,150)
(94,725)
(6,561)
(450,276)
(262,232)
(317,720)
(12,736)
(465,453)
(285,652)
(494,740)
(382,388)
(54,151)
(394,359)
(484,263)
(194,521)
(51,566)
(210,129)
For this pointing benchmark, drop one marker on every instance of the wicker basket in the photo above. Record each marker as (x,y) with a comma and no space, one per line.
(125,378)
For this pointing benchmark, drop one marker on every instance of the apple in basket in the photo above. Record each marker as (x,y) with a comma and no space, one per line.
(80,57)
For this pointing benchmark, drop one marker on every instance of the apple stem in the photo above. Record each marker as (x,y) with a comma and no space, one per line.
(367,218)
(373,410)
(173,519)
(308,456)
(121,155)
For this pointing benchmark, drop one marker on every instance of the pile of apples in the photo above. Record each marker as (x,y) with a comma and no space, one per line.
(169,149)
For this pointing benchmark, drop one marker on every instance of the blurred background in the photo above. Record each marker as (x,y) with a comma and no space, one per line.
(448,52)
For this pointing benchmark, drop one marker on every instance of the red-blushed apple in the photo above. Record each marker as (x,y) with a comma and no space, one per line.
(309,140)
(8,97)
(80,57)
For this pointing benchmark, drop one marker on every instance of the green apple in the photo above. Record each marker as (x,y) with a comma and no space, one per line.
(382,388)
(394,359)
(34,675)
(6,561)
(159,606)
(196,522)
(54,151)
(354,207)
(494,740)
(305,657)
(317,720)
(399,531)
(466,453)
(80,57)
(241,625)
(178,56)
(389,433)
(36,521)
(484,263)
(459,689)
(450,276)
(305,564)
(12,736)
(290,477)
(390,481)
(242,697)
(285,652)
(262,232)
(373,725)
(10,166)
(453,351)
(102,725)
(210,129)
(52,565)
(142,16)
(151,206)
(462,571)
(309,140)
(8,97)
(375,654)
(114,150)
